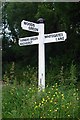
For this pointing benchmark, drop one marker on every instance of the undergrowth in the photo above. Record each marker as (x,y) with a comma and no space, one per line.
(22,98)
(21,101)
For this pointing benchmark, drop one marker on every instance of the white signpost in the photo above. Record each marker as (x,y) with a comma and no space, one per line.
(30,26)
(28,41)
(48,38)
(41,39)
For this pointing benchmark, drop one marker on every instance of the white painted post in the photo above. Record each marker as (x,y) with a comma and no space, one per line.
(41,82)
(40,40)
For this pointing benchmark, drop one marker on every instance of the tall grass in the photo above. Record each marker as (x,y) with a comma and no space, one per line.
(29,102)
(22,98)
(19,74)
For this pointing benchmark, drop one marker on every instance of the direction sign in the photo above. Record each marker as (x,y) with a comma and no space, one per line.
(55,37)
(28,41)
(30,26)
(48,38)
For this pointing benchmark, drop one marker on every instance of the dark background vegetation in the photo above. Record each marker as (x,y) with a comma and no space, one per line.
(58,17)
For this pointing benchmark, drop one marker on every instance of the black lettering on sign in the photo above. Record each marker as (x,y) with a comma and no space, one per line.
(59,35)
(61,38)
(26,43)
(29,24)
(23,40)
(54,35)
(32,28)
(35,38)
(56,39)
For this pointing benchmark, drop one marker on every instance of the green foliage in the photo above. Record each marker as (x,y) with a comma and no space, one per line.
(21,101)
(46,11)
(56,72)
(16,12)
(73,74)
(62,73)
(16,74)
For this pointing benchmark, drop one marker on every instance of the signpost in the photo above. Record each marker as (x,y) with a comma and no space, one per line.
(55,37)
(30,26)
(41,39)
(28,41)
(48,38)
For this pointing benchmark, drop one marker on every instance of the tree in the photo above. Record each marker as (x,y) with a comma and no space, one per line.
(58,17)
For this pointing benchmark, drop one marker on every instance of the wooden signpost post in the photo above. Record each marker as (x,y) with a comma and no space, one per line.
(41,39)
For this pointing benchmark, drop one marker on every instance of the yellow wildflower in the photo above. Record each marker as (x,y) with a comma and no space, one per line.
(55,103)
(50,110)
(39,104)
(67,103)
(29,88)
(68,115)
(42,104)
(56,93)
(49,92)
(51,101)
(36,107)
(35,102)
(77,89)
(56,89)
(62,98)
(11,93)
(74,94)
(53,95)
(53,86)
(62,95)
(52,98)
(55,110)
(77,98)
(46,100)
(47,96)
(56,84)
(26,95)
(43,99)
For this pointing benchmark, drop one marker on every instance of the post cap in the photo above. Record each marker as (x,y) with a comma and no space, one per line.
(40,20)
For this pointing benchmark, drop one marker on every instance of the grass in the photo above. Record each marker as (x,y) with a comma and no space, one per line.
(21,101)
(22,98)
